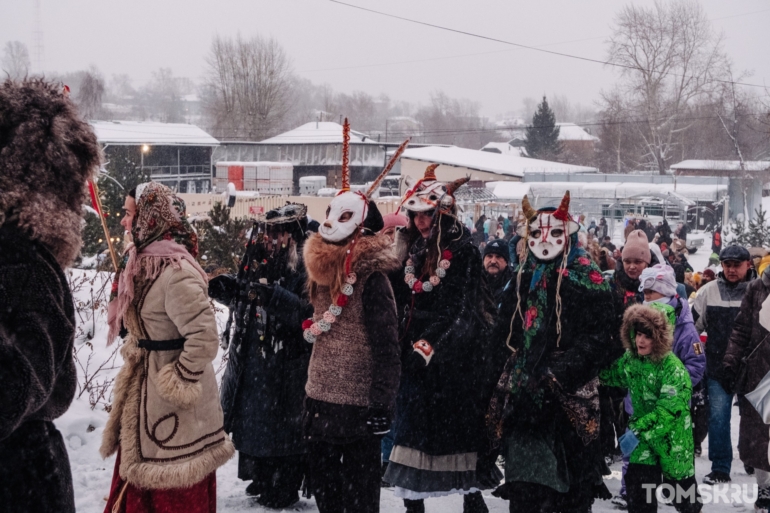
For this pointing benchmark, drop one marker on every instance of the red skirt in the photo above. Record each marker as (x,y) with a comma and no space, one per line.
(199,498)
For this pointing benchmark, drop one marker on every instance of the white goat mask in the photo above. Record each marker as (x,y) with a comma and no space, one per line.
(346,213)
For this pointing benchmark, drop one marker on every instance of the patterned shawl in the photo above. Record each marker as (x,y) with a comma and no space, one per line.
(162,237)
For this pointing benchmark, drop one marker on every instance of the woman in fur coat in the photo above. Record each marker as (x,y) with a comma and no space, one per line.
(166,420)
(354,367)
(445,310)
(46,155)
(264,384)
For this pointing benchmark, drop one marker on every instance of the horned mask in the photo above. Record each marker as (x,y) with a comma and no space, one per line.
(547,231)
(429,194)
(349,210)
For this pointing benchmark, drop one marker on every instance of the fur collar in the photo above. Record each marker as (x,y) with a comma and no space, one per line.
(655,322)
(51,222)
(324,261)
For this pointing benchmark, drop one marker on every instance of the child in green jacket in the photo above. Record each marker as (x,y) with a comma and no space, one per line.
(659,437)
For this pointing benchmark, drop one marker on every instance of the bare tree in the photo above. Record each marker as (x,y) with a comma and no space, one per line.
(15,62)
(248,92)
(90,93)
(671,57)
(163,96)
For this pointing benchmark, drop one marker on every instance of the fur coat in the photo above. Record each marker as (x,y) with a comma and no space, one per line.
(355,365)
(441,405)
(166,417)
(37,331)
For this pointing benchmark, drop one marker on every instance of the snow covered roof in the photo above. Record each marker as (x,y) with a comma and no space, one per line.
(508,165)
(323,132)
(573,132)
(567,132)
(505,149)
(134,133)
(720,165)
(687,193)
(509,190)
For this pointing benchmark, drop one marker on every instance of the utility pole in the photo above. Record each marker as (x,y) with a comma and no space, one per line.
(386,130)
(37,37)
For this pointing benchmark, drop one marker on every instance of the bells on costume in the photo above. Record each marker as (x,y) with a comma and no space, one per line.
(312,329)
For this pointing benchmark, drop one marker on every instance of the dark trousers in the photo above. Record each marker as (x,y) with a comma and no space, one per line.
(275,478)
(345,478)
(700,421)
(644,500)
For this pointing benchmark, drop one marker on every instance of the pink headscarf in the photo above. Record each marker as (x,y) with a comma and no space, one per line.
(162,237)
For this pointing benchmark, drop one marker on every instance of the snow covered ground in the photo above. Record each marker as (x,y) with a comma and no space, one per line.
(82,426)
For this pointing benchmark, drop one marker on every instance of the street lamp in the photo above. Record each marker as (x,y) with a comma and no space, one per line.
(145,149)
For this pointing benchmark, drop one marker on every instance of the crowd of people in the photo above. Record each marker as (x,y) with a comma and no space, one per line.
(406,350)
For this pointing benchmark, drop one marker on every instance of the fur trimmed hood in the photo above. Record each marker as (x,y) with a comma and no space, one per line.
(653,321)
(325,261)
(47,152)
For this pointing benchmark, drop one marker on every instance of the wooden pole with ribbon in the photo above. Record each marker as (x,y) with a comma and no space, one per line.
(96,202)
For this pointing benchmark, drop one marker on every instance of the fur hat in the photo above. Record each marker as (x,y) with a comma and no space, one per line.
(637,246)
(652,322)
(47,153)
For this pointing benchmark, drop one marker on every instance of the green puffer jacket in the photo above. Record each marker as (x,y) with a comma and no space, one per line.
(660,390)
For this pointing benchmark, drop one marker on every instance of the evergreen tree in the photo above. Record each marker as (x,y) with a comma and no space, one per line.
(123,167)
(221,239)
(543,134)
(755,234)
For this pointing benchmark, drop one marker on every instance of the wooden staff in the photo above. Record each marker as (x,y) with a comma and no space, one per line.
(96,201)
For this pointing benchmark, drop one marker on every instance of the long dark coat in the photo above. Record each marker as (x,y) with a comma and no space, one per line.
(748,334)
(440,408)
(264,384)
(587,317)
(37,371)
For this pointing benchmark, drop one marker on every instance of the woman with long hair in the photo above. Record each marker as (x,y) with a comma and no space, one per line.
(166,422)
(445,311)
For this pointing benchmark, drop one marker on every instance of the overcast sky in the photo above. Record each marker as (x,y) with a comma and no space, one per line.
(355,50)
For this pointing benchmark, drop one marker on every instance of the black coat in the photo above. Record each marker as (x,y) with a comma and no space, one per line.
(264,384)
(440,408)
(749,349)
(37,332)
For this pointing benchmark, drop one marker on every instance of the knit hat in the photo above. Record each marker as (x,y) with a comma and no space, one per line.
(637,246)
(394,219)
(497,247)
(659,278)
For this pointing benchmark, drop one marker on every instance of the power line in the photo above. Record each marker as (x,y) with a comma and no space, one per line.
(519,45)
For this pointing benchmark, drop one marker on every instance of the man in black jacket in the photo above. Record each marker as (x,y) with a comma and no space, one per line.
(46,155)
(496,269)
(714,311)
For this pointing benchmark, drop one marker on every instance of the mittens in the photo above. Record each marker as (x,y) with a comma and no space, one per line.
(628,443)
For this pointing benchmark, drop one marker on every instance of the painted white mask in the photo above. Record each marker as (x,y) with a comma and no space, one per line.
(346,213)
(549,231)
(548,236)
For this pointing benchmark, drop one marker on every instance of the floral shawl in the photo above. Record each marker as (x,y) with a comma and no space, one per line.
(162,236)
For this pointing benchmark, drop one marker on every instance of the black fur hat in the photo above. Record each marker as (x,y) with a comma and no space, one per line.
(47,153)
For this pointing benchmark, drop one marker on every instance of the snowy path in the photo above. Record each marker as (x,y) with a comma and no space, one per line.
(92,475)
(82,429)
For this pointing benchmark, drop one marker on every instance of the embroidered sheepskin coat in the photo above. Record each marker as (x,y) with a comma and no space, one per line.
(166,416)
